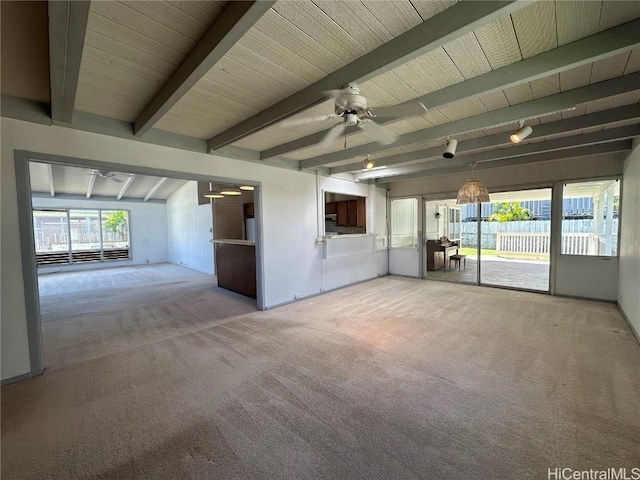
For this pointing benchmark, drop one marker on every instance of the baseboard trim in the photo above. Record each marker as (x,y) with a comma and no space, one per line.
(271,307)
(17,378)
(628,322)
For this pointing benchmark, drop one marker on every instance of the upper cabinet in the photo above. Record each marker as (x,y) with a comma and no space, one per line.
(350,213)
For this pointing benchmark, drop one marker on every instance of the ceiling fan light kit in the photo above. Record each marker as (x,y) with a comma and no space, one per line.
(368,163)
(351,107)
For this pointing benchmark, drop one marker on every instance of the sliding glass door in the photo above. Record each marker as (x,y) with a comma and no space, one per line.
(515,239)
(450,241)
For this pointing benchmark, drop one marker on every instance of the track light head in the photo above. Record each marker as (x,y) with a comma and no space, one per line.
(450,148)
(523,132)
(368,163)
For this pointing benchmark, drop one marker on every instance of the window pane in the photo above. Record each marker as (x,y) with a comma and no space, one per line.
(115,229)
(85,230)
(590,218)
(404,223)
(50,231)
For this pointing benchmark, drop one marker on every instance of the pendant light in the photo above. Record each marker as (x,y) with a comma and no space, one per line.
(247,188)
(213,193)
(231,191)
(368,164)
(473,191)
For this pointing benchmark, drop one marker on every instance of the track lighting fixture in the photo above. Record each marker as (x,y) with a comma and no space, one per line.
(450,148)
(368,163)
(523,132)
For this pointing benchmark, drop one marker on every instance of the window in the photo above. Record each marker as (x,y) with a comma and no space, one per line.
(590,218)
(73,236)
(404,223)
(344,214)
(454,229)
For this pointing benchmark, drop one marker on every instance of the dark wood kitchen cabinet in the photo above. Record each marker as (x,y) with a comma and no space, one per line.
(361,214)
(330,208)
(342,209)
(352,213)
(249,210)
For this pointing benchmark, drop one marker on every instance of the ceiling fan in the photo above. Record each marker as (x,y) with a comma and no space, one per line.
(352,108)
(107,174)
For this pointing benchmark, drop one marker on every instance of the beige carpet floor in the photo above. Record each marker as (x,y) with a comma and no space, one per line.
(393,378)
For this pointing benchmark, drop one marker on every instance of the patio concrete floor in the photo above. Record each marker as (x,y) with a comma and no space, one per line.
(526,274)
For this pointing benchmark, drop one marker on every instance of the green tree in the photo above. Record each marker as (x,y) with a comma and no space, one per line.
(116,221)
(509,212)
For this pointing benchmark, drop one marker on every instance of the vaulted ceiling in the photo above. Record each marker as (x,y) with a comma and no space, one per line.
(220,76)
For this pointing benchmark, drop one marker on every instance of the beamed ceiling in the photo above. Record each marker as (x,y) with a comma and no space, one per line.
(219,77)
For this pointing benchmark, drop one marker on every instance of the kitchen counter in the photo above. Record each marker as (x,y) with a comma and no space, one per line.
(234,241)
(236,265)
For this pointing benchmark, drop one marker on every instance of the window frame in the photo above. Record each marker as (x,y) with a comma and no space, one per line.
(70,249)
(564,183)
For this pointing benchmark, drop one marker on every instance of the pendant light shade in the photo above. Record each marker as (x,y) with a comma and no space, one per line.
(231,191)
(472,192)
(213,193)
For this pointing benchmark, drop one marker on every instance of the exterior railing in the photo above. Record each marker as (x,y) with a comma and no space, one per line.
(538,243)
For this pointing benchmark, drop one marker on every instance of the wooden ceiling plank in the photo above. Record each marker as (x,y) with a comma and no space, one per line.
(227,29)
(444,27)
(67,30)
(576,56)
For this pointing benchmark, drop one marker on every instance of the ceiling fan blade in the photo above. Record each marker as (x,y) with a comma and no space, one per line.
(295,122)
(407,109)
(333,93)
(379,133)
(332,135)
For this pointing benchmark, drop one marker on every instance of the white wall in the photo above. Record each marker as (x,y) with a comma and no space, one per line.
(190,229)
(587,277)
(147,230)
(629,271)
(293,261)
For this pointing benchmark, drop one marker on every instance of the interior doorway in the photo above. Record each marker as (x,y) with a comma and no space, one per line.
(80,219)
(450,233)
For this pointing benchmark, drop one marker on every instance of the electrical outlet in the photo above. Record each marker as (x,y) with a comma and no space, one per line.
(296,296)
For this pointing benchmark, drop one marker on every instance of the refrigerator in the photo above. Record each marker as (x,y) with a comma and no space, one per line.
(250,229)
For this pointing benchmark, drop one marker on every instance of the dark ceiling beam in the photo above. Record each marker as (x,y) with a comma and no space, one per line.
(532,109)
(573,124)
(234,21)
(591,49)
(603,136)
(589,150)
(454,22)
(67,29)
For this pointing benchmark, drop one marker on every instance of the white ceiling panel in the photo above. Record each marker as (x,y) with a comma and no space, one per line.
(396,16)
(468,56)
(535,28)
(609,67)
(617,12)
(39,177)
(577,19)
(499,43)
